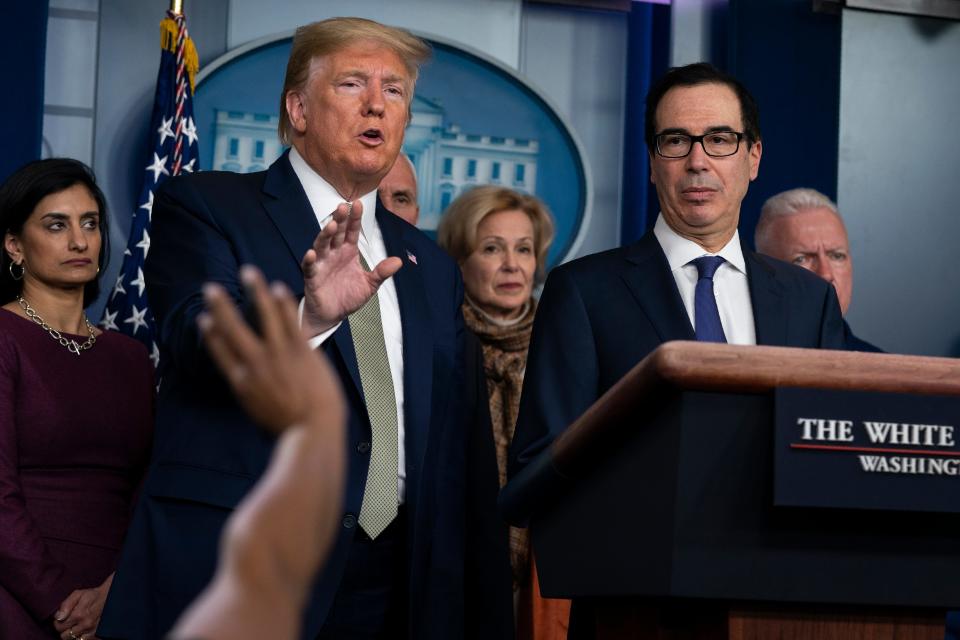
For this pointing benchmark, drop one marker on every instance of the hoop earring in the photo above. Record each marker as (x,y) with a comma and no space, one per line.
(23,270)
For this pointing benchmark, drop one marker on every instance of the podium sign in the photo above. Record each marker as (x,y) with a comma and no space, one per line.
(860,450)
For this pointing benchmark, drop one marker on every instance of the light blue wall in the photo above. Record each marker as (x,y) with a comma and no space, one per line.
(70,79)
(492,26)
(577,59)
(897,179)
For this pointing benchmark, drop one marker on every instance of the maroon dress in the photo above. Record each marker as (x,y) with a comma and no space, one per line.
(75,434)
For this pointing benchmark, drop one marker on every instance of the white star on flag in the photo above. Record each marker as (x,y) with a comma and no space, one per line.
(110,320)
(188,168)
(166,129)
(118,288)
(145,245)
(155,355)
(140,283)
(190,130)
(137,318)
(148,205)
(159,166)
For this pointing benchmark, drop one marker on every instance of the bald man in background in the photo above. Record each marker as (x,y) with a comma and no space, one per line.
(803,227)
(398,190)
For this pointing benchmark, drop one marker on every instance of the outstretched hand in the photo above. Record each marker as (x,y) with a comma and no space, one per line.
(334,283)
(275,376)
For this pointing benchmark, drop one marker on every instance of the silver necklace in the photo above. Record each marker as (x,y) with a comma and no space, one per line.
(71,345)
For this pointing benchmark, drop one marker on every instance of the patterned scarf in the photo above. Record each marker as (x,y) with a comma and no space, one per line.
(505,360)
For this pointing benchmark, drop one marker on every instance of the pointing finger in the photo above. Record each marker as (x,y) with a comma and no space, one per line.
(309,263)
(256,288)
(287,310)
(225,322)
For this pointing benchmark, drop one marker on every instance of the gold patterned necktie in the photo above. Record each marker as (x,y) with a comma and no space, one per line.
(379,506)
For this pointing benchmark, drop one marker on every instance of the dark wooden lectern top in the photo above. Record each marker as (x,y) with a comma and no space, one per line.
(703,366)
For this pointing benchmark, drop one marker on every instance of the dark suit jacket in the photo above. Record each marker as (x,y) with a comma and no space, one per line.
(208,453)
(489,580)
(601,314)
(853,343)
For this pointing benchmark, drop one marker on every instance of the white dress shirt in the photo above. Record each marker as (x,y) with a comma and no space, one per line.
(324,200)
(730,285)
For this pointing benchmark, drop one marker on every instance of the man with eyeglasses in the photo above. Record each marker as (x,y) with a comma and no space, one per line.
(688,279)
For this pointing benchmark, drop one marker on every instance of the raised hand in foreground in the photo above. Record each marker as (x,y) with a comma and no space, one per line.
(278,537)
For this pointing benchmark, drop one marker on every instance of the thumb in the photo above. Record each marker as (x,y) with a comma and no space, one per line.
(385,269)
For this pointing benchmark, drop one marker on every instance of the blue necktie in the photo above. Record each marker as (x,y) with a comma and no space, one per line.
(705,313)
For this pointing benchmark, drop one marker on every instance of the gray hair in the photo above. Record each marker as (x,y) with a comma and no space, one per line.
(413,168)
(788,203)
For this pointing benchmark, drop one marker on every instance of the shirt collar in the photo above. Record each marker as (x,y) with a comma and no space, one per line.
(680,251)
(324,199)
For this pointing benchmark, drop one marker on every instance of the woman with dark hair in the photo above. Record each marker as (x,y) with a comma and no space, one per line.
(75,408)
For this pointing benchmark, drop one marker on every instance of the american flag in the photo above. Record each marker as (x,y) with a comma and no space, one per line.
(173,151)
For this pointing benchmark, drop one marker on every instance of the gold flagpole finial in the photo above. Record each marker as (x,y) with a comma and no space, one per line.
(176,6)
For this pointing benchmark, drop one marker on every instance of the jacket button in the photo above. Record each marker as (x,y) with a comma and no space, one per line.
(349,521)
(363,447)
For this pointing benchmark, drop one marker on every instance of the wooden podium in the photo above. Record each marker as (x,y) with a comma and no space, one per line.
(655,510)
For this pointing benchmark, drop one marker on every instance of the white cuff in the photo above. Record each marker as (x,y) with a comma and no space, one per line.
(318,339)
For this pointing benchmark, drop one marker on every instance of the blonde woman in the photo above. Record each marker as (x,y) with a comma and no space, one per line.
(500,238)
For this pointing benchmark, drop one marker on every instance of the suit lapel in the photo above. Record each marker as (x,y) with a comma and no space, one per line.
(286,203)
(649,279)
(766,296)
(399,239)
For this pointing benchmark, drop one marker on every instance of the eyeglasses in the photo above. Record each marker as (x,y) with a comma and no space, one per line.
(716,145)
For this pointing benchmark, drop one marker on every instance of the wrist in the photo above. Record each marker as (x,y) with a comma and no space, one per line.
(314,328)
(311,323)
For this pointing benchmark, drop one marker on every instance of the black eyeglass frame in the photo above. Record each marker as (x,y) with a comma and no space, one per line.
(694,140)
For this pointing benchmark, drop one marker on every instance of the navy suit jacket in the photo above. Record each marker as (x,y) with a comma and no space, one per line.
(602,314)
(853,343)
(207,452)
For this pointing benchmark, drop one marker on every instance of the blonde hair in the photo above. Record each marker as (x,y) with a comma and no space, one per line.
(457,233)
(319,39)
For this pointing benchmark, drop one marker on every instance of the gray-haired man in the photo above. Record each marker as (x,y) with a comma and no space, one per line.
(803,226)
